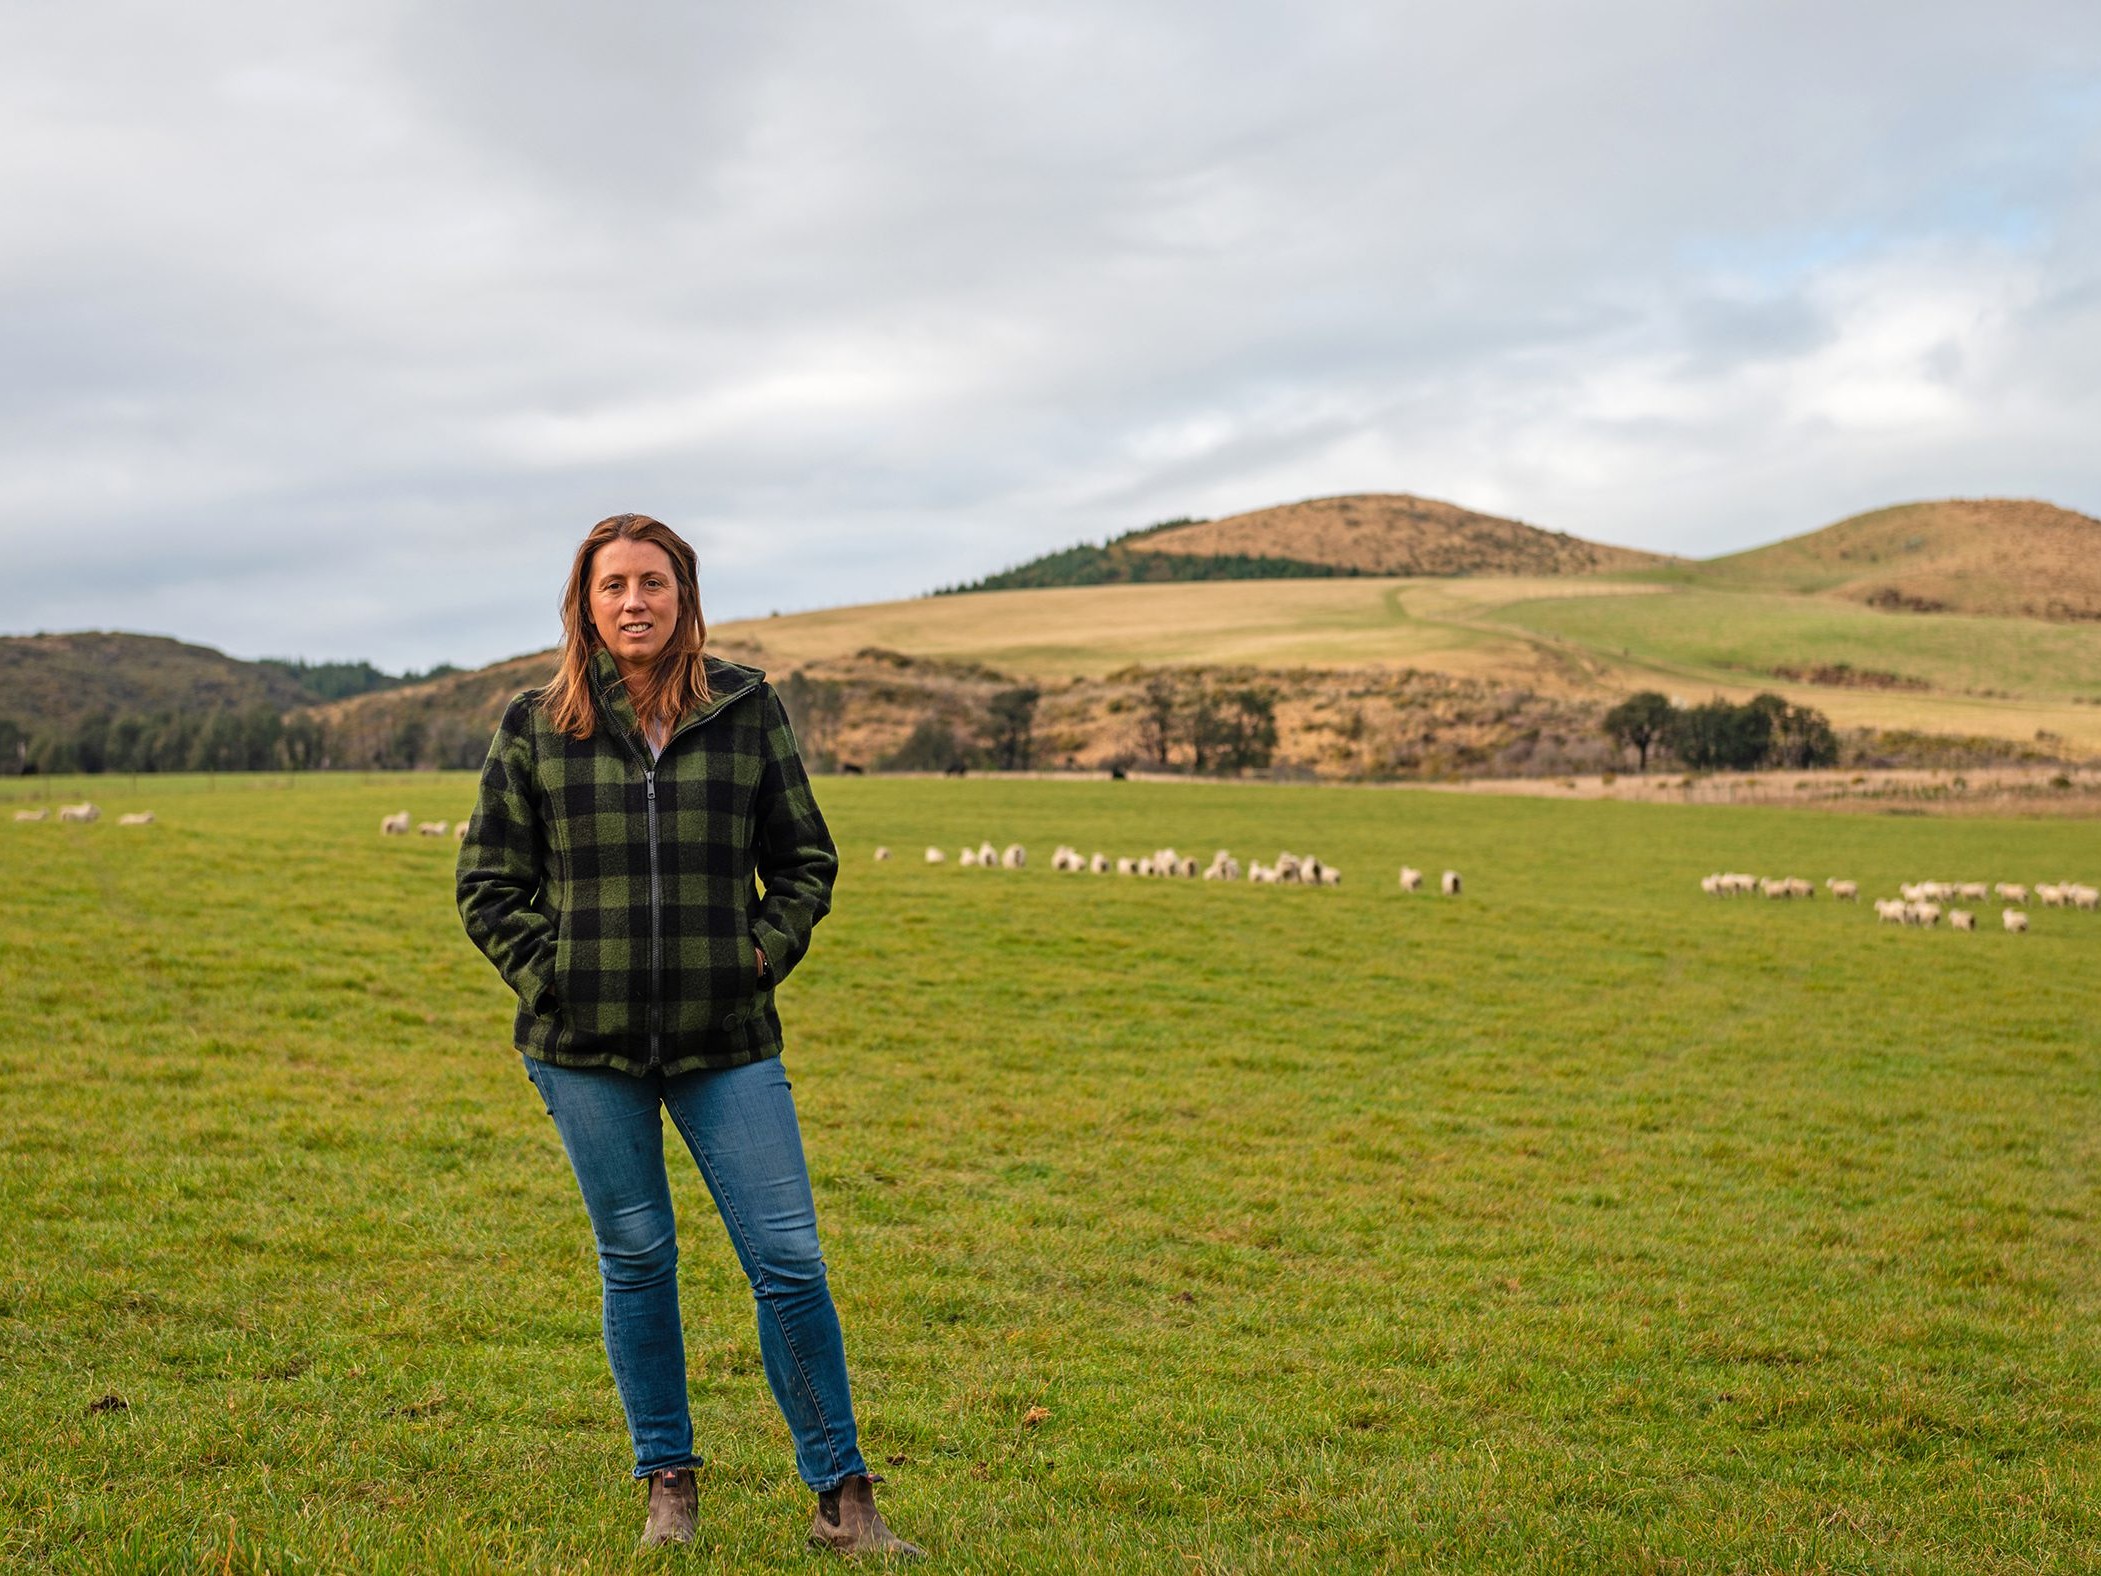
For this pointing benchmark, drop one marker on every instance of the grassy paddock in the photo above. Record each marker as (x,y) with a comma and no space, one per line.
(1580,1223)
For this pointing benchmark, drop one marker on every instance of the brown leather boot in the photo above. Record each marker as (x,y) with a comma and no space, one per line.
(848,1522)
(674,1503)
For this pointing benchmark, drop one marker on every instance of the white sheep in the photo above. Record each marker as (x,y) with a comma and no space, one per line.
(1145,865)
(1127,866)
(1448,883)
(432,828)
(395,825)
(1330,876)
(1099,864)
(1924,914)
(1412,879)
(31,815)
(1015,857)
(881,854)
(1259,874)
(1890,910)
(2015,920)
(459,833)
(988,857)
(1843,891)
(2048,895)
(969,858)
(2085,897)
(935,856)
(1961,919)
(79,812)
(2011,891)
(136,818)
(1797,887)
(1972,891)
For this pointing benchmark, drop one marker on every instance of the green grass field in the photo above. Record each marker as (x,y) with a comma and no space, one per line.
(1581,1223)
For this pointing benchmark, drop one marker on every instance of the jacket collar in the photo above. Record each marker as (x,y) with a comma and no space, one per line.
(728,681)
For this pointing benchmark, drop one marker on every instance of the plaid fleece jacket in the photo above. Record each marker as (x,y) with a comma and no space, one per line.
(619,896)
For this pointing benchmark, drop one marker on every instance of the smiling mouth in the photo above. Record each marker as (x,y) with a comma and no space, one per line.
(636,629)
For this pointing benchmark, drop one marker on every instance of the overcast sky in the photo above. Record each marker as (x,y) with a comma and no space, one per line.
(326,330)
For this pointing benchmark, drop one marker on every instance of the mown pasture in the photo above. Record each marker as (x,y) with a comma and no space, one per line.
(1582,1222)
(1595,637)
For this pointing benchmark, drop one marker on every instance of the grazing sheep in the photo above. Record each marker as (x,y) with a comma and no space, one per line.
(31,815)
(1890,910)
(1145,865)
(935,856)
(1924,914)
(1286,867)
(2011,891)
(1972,891)
(432,828)
(1185,868)
(1127,866)
(1843,891)
(1797,887)
(1259,874)
(78,812)
(1099,864)
(881,854)
(1911,892)
(2085,897)
(1330,876)
(1310,869)
(459,833)
(1961,919)
(136,818)
(1448,884)
(2015,920)
(1412,879)
(988,857)
(969,858)
(395,825)
(2049,896)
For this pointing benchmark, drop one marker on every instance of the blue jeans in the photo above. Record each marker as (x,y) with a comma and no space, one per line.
(739,1124)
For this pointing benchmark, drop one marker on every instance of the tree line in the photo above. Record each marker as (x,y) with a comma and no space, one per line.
(244,739)
(1720,735)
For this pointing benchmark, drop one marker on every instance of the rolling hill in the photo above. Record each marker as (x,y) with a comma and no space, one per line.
(1399,534)
(2007,556)
(1325,538)
(1967,620)
(54,679)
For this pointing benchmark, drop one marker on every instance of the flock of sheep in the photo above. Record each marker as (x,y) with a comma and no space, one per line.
(397,825)
(1289,870)
(1918,903)
(84,813)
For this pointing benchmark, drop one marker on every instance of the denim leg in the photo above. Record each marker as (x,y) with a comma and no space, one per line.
(614,1133)
(740,1124)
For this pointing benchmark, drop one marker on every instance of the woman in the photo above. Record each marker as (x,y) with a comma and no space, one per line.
(608,873)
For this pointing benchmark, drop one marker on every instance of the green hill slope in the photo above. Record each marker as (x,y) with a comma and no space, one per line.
(2014,557)
(50,680)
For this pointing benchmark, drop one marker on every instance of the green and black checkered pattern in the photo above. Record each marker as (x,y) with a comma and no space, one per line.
(612,968)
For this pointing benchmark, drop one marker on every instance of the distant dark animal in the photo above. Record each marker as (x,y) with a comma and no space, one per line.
(1118,774)
(848,769)
(953,769)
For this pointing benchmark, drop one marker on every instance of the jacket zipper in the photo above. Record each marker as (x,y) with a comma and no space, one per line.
(656,927)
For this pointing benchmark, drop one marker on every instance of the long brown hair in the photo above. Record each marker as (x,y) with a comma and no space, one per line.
(678,679)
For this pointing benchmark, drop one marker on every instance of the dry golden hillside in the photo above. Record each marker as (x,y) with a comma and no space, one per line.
(1398,534)
(2010,556)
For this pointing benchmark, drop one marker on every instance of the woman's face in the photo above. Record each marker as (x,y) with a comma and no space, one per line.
(634,601)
